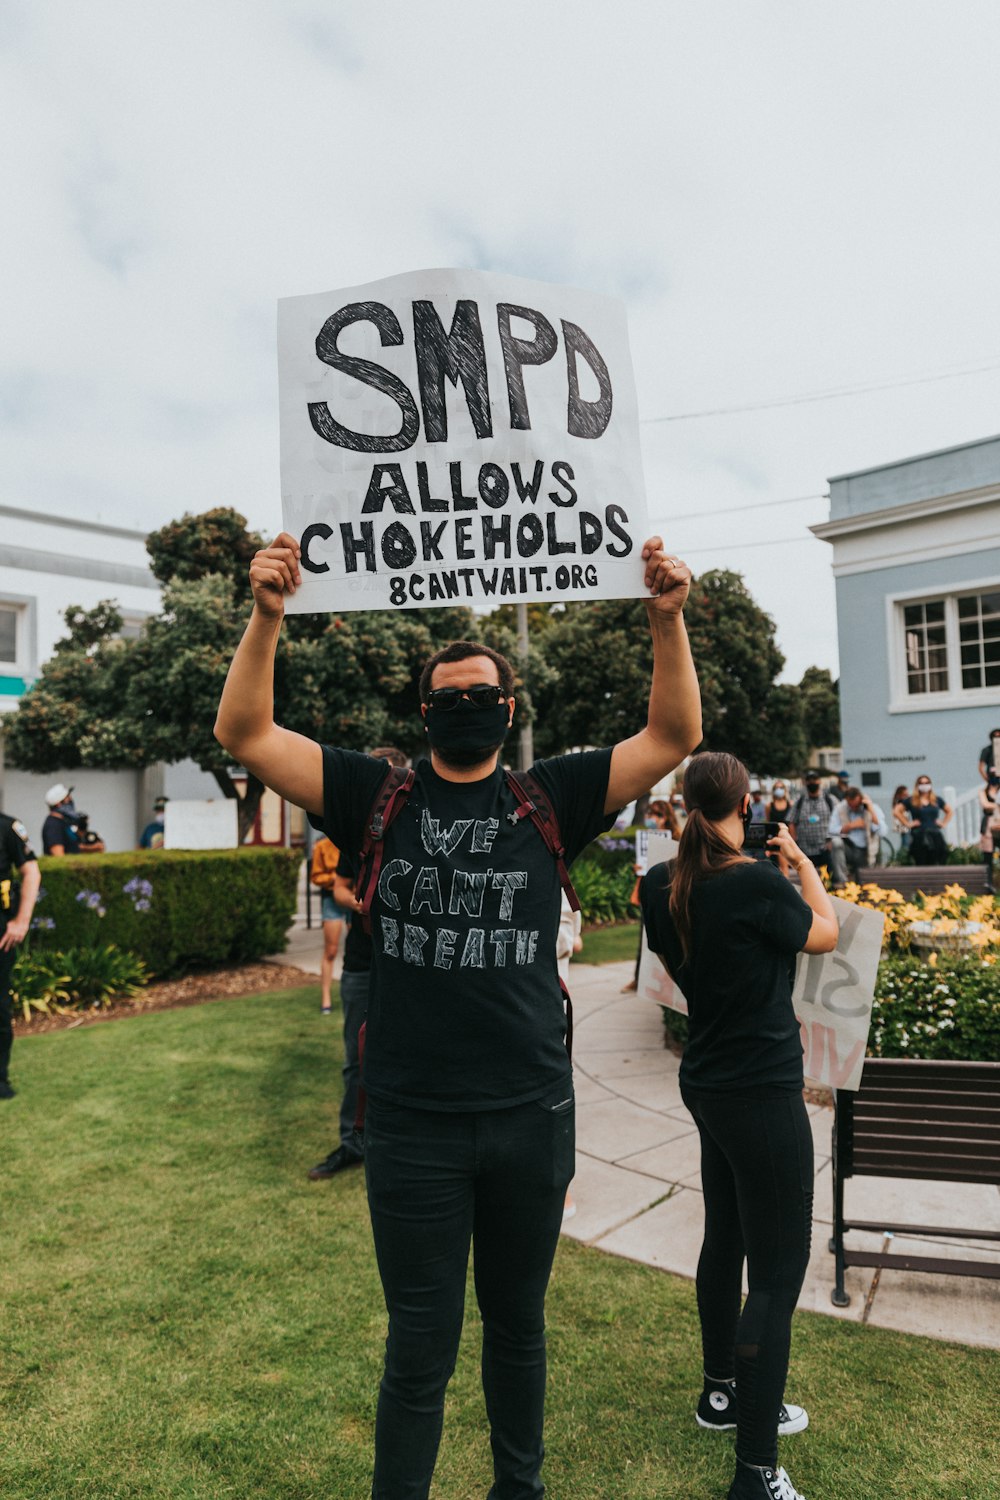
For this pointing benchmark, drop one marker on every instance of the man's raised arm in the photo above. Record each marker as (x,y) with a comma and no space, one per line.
(673,727)
(291,764)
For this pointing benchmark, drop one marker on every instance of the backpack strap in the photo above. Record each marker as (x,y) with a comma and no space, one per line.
(533,802)
(388,804)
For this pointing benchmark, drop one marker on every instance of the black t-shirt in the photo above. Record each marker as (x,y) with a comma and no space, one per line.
(15,851)
(926,814)
(465,1010)
(56,830)
(747,925)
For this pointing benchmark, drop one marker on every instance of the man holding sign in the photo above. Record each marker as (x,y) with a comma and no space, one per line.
(469,1136)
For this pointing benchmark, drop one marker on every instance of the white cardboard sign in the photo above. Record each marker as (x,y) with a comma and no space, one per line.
(832,997)
(454,437)
(212,824)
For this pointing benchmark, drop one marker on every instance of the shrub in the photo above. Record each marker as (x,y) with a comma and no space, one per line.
(38,982)
(612,851)
(75,979)
(173,909)
(603,893)
(950,1008)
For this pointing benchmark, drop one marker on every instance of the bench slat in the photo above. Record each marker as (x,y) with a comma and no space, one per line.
(917,1231)
(987,1268)
(932,1171)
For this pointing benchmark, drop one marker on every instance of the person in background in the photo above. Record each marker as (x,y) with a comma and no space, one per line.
(660,818)
(856,827)
(989,760)
(758,807)
(989,827)
(59,829)
(152,835)
(349,1152)
(17,860)
(728,930)
(810,821)
(569,940)
(325,859)
(678,808)
(839,786)
(900,819)
(927,816)
(779,810)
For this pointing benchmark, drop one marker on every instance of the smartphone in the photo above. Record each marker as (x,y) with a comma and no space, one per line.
(758,834)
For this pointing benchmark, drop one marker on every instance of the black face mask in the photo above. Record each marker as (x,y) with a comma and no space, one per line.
(467,735)
(812,787)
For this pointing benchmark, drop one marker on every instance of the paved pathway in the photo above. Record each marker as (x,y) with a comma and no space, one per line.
(638,1187)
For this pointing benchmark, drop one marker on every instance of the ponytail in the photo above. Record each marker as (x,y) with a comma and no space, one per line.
(714,786)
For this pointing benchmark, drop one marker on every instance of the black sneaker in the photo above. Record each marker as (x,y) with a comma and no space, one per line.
(6,1092)
(334,1163)
(717,1410)
(751,1483)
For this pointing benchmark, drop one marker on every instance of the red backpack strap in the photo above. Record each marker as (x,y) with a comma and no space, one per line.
(389,802)
(533,802)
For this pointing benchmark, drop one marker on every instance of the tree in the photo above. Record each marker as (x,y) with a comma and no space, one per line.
(106,702)
(600,657)
(820,707)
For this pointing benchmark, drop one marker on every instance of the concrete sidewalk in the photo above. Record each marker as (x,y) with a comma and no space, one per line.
(638,1187)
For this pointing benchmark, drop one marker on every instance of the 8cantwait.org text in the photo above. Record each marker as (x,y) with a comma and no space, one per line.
(473,583)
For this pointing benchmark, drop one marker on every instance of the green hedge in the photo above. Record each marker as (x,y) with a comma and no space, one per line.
(947,1010)
(174,909)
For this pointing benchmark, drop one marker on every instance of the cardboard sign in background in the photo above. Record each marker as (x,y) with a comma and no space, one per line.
(833,992)
(459,437)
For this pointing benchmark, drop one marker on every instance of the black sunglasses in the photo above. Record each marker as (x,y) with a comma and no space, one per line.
(480,695)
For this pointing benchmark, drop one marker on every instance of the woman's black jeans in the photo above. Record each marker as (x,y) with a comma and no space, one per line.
(757,1173)
(436,1183)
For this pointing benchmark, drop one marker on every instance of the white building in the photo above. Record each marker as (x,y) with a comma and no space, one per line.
(47,564)
(916,559)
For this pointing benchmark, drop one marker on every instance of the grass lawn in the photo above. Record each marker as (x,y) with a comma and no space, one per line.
(609,945)
(185,1315)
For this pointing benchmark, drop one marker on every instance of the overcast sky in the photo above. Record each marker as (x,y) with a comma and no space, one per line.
(791,199)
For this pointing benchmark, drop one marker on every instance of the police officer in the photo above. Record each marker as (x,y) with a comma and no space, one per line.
(16,855)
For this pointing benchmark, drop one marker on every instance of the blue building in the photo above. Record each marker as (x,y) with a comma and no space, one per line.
(916,560)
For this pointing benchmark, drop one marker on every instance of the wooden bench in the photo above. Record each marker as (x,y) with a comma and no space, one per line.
(931,879)
(925,1120)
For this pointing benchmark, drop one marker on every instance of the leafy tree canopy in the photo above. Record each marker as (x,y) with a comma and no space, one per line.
(106,702)
(820,707)
(600,660)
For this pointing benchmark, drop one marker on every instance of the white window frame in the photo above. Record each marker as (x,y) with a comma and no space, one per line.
(900,700)
(23,609)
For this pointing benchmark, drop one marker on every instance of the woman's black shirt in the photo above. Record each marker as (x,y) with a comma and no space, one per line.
(747,925)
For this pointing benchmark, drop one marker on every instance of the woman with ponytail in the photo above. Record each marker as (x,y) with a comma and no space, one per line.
(728,929)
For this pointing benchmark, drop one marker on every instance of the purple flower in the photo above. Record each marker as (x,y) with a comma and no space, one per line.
(92,900)
(42,924)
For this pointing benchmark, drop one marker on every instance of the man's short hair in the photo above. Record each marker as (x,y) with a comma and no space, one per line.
(853,791)
(391,754)
(461,651)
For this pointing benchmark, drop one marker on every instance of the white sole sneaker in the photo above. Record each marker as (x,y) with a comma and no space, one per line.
(790,1419)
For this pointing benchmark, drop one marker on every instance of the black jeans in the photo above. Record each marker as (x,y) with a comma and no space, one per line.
(354,1004)
(436,1183)
(757,1173)
(7,958)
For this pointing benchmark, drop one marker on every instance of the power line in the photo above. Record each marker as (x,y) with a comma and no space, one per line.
(727,510)
(834,394)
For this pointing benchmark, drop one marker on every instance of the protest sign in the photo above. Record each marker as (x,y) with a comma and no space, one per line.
(832,996)
(459,437)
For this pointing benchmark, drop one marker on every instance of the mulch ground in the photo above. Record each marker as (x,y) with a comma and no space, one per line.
(226,983)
